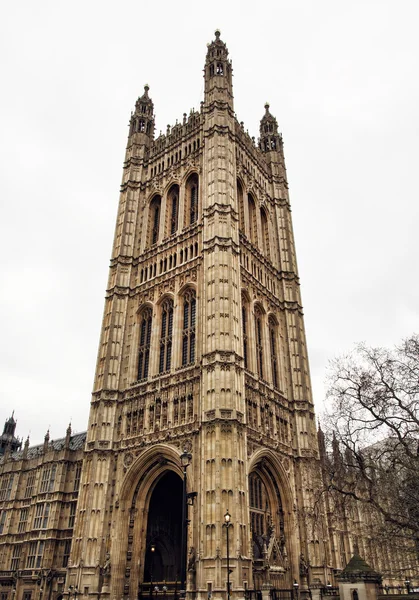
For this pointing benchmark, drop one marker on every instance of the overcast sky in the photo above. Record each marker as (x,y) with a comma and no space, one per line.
(342,80)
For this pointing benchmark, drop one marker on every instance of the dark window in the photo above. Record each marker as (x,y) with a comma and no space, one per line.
(274,352)
(145,340)
(41,515)
(66,553)
(156,216)
(35,553)
(245,339)
(166,336)
(14,564)
(23,520)
(173,221)
(77,478)
(6,486)
(189,327)
(2,520)
(30,482)
(194,204)
(259,341)
(72,515)
(48,478)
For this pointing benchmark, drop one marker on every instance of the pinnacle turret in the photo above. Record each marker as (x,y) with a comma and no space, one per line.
(8,438)
(218,73)
(142,119)
(270,139)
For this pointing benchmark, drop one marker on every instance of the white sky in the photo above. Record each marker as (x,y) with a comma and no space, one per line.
(342,80)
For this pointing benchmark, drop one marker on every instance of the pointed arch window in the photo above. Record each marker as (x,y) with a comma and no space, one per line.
(173,221)
(240,206)
(145,340)
(253,229)
(245,327)
(166,333)
(191,214)
(189,327)
(154,220)
(273,336)
(259,341)
(265,233)
(172,211)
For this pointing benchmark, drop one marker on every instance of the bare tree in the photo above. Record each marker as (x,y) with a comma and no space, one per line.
(372,433)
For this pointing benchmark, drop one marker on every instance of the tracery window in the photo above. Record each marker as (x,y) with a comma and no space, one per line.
(189,327)
(191,214)
(260,514)
(240,206)
(265,233)
(41,515)
(172,210)
(273,335)
(253,228)
(245,336)
(154,220)
(48,478)
(259,341)
(145,342)
(166,332)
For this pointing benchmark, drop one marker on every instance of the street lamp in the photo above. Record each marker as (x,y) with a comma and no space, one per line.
(152,551)
(295,586)
(227,523)
(407,584)
(185,461)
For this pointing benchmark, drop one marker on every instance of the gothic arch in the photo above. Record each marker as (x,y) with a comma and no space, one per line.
(172,197)
(191,208)
(188,173)
(267,465)
(253,220)
(240,205)
(153,220)
(144,305)
(264,219)
(132,508)
(165,296)
(186,286)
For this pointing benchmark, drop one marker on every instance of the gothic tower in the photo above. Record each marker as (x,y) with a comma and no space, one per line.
(202,354)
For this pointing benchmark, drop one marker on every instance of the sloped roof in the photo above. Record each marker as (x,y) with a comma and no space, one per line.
(357,568)
(77,442)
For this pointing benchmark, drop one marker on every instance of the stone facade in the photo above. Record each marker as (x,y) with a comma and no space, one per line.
(38,497)
(202,353)
(202,347)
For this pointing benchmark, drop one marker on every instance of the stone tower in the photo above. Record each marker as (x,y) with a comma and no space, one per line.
(202,353)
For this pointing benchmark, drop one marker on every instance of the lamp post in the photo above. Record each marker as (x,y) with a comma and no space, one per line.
(185,461)
(227,523)
(295,586)
(407,584)
(152,551)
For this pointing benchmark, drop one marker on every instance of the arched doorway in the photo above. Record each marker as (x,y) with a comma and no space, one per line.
(164,527)
(269,544)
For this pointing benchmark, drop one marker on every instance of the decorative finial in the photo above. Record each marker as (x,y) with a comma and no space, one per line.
(267,107)
(217,34)
(146,88)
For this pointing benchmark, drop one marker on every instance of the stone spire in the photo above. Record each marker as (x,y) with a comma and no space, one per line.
(270,139)
(142,119)
(46,441)
(68,436)
(218,74)
(26,448)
